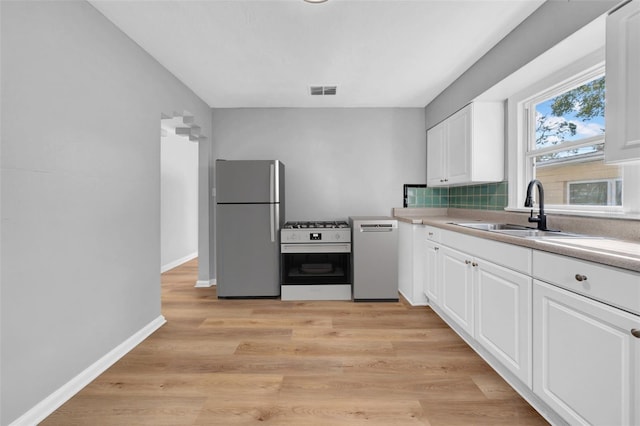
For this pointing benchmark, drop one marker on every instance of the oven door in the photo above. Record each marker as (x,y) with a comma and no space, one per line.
(315,264)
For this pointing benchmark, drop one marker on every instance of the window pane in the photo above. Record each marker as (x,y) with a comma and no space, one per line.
(589,193)
(584,153)
(580,182)
(573,115)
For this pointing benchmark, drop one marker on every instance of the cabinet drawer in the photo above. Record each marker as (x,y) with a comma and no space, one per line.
(614,286)
(432,234)
(508,255)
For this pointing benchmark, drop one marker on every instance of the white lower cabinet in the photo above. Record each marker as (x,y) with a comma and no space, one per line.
(431,274)
(410,247)
(457,291)
(563,332)
(491,303)
(586,359)
(503,316)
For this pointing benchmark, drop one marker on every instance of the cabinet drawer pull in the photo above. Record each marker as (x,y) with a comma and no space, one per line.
(635,332)
(580,277)
(436,248)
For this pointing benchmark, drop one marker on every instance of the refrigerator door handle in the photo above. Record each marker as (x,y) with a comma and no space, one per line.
(272,218)
(276,222)
(272,178)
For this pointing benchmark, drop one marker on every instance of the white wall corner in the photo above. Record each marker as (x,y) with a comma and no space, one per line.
(205,283)
(48,405)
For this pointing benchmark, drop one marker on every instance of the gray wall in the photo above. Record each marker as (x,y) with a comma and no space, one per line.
(80,175)
(551,23)
(339,161)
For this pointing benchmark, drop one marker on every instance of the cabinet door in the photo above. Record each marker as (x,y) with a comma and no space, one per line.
(503,316)
(405,259)
(456,293)
(436,165)
(459,147)
(623,86)
(585,358)
(431,275)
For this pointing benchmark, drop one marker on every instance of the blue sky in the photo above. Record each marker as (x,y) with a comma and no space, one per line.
(584,129)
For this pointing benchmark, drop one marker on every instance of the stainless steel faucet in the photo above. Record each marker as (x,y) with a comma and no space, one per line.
(541,220)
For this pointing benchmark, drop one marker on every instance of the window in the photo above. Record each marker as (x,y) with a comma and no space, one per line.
(565,144)
(558,128)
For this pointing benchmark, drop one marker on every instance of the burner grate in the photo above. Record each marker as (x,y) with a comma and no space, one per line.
(326,224)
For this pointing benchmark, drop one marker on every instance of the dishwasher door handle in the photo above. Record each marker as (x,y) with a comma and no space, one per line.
(378,227)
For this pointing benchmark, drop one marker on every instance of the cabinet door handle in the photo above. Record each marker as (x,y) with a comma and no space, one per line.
(436,248)
(635,332)
(580,277)
(474,264)
(467,262)
(431,234)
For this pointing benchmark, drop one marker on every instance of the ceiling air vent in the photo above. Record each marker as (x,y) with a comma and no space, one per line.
(323,90)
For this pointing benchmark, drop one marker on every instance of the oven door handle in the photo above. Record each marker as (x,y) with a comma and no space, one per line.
(316,248)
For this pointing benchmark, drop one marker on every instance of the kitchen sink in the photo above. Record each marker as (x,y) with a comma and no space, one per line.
(493,226)
(518,230)
(537,233)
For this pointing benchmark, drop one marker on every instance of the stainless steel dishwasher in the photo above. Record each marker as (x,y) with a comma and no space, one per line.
(374,246)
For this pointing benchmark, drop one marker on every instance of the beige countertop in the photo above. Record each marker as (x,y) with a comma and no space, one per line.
(601,249)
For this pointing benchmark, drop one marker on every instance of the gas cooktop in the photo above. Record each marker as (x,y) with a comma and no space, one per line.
(327,224)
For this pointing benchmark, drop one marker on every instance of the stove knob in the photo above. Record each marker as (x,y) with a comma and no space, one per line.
(337,236)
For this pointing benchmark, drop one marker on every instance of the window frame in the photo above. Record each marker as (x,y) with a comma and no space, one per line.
(520,121)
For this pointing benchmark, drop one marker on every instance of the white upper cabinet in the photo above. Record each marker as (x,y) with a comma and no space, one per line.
(436,155)
(622,113)
(467,147)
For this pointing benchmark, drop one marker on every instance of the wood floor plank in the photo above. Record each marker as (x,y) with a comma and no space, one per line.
(312,412)
(256,322)
(314,348)
(265,361)
(119,410)
(484,413)
(382,387)
(390,334)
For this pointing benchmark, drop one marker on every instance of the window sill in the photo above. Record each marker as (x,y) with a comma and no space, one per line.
(580,213)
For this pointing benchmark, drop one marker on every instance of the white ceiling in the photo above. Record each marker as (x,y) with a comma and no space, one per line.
(266,53)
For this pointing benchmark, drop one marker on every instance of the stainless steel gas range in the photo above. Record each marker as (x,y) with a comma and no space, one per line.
(315,260)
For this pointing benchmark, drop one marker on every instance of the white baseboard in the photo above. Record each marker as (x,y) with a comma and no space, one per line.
(205,283)
(48,405)
(178,262)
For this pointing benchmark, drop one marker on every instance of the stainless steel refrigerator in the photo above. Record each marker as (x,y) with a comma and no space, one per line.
(249,215)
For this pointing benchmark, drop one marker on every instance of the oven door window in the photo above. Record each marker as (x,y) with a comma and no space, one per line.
(316,268)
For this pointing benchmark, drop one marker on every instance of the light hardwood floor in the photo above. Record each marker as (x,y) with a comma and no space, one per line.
(244,362)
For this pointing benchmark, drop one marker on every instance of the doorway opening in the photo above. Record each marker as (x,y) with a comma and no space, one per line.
(178,189)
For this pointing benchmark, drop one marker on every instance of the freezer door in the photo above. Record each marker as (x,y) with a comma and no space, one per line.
(249,181)
(248,250)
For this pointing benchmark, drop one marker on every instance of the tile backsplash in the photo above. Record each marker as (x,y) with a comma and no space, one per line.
(487,196)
